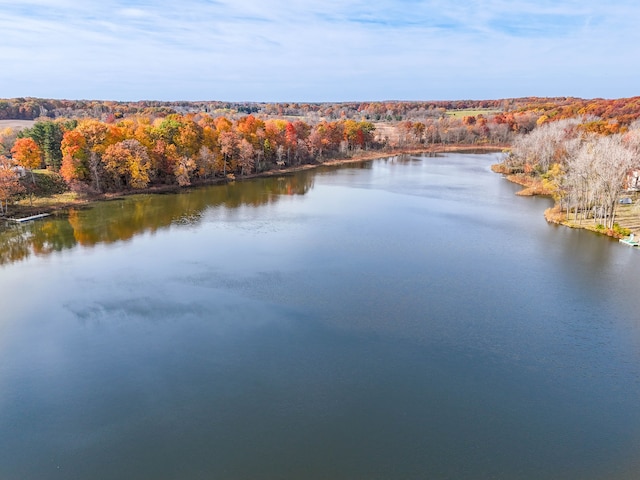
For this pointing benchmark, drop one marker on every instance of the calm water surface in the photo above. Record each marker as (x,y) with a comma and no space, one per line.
(407,318)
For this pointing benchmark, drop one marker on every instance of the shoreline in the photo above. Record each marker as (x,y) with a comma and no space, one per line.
(52,206)
(554,215)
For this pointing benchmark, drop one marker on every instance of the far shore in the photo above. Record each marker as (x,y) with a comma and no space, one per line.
(63,202)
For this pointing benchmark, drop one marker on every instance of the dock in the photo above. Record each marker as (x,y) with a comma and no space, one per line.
(630,241)
(27,219)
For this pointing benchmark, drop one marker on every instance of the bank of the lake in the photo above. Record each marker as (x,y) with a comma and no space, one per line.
(627,216)
(61,202)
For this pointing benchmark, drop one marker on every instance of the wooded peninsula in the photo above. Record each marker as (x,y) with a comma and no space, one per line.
(56,153)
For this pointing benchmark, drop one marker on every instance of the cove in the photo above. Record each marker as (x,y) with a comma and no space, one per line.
(401,318)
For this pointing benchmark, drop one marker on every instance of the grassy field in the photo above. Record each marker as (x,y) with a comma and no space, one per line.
(49,193)
(628,216)
(48,203)
(16,124)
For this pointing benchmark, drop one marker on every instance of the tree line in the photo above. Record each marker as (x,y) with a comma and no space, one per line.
(139,152)
(33,108)
(624,110)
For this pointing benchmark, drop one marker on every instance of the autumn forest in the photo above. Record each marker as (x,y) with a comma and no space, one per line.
(100,147)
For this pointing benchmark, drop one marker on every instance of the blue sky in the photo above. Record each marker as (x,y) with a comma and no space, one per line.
(318,50)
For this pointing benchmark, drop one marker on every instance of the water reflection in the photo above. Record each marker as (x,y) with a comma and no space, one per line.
(409,320)
(123,219)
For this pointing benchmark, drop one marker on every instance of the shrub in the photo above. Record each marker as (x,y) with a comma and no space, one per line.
(619,231)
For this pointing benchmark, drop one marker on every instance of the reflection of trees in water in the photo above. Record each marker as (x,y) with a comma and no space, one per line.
(20,241)
(403,159)
(117,220)
(335,169)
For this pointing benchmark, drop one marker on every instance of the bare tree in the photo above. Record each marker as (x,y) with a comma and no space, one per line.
(246,153)
(205,162)
(613,162)
(544,146)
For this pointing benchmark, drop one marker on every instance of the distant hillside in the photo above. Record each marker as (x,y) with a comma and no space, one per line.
(623,111)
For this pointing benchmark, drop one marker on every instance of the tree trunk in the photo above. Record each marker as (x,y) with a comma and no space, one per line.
(95,160)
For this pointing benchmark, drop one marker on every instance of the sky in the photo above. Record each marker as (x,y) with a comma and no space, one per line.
(318,50)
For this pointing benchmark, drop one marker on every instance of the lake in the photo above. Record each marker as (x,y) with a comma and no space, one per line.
(406,318)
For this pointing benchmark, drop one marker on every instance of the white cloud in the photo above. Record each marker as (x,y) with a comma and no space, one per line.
(317,50)
(132,12)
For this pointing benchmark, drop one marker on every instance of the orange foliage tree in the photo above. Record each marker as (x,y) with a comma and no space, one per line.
(9,184)
(28,155)
(75,157)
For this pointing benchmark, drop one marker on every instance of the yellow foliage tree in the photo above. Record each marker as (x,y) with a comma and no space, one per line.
(128,160)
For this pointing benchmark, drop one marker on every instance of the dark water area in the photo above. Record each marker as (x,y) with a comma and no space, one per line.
(405,318)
